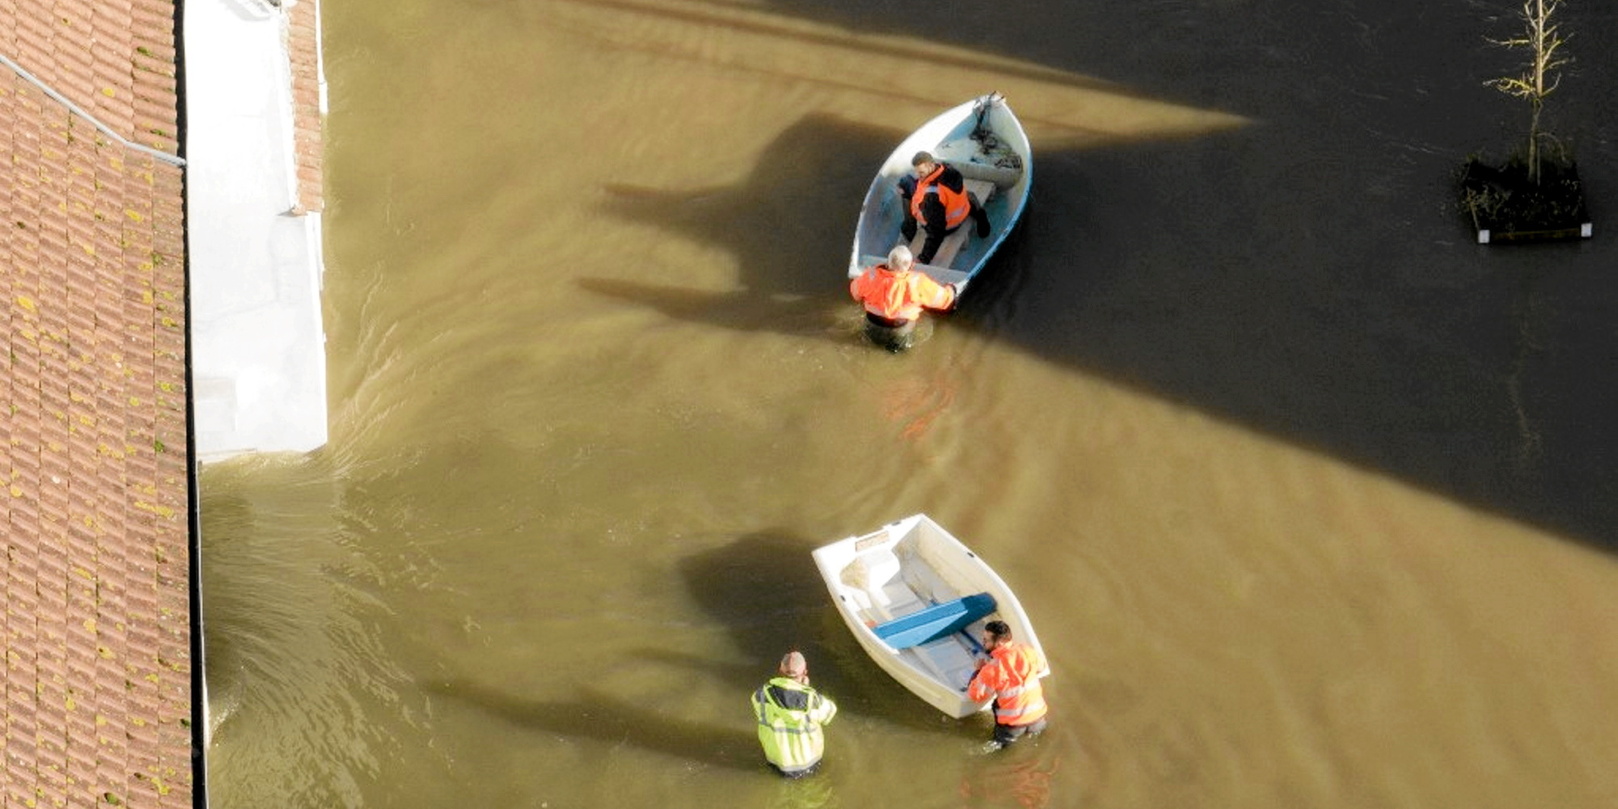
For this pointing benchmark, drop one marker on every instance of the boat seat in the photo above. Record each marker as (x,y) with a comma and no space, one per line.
(931,623)
(876,573)
(982,189)
(999,176)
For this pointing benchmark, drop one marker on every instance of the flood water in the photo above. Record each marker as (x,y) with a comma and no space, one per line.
(1313,501)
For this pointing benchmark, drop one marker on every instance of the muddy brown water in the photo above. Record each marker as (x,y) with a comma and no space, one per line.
(1311,498)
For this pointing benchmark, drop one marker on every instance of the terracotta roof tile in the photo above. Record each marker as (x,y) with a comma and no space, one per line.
(75,69)
(93,241)
(34,35)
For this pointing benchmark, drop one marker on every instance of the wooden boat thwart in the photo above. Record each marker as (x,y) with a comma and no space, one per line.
(916,599)
(982,139)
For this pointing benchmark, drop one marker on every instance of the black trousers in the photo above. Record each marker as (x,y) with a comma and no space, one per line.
(1006,734)
(893,335)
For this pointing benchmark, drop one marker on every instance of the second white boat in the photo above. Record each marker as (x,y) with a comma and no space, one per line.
(916,599)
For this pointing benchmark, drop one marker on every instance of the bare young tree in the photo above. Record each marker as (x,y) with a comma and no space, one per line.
(1540,76)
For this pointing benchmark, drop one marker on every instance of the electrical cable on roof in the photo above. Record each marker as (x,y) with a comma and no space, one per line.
(175,160)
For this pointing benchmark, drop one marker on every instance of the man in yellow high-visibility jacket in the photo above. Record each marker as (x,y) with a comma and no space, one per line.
(790,716)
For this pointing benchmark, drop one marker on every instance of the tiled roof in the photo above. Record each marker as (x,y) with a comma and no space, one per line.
(96,614)
(303,45)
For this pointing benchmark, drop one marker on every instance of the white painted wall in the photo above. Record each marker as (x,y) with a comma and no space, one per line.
(258,343)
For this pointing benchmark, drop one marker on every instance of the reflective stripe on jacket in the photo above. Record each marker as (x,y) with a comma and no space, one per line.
(790,715)
(899,296)
(1012,677)
(956,204)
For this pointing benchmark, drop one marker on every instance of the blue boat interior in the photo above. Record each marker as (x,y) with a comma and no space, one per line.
(934,622)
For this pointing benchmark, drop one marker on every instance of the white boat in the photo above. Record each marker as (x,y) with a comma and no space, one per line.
(916,599)
(981,138)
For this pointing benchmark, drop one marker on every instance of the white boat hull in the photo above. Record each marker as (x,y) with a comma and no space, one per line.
(985,141)
(906,570)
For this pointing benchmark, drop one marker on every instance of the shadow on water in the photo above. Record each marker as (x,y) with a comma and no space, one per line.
(614,722)
(808,183)
(739,311)
(760,589)
(774,221)
(1307,277)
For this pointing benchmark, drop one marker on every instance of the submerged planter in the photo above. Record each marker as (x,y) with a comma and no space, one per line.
(1506,206)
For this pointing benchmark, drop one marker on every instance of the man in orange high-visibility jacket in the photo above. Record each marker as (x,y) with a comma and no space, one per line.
(894,297)
(1011,676)
(937,199)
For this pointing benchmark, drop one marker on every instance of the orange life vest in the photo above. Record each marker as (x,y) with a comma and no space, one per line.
(956,204)
(899,296)
(1012,678)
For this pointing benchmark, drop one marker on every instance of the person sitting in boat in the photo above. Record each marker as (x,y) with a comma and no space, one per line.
(1010,674)
(894,297)
(937,198)
(790,716)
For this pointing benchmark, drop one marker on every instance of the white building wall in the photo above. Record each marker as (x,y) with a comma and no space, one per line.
(257,342)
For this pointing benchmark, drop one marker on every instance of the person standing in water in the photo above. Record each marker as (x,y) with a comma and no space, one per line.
(894,296)
(1010,674)
(790,716)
